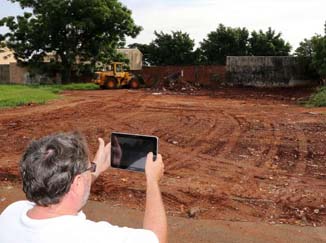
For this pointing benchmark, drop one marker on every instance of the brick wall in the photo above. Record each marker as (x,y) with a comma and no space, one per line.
(17,74)
(206,75)
(12,73)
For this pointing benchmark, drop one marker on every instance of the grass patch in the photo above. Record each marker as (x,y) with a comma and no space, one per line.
(318,99)
(16,95)
(76,86)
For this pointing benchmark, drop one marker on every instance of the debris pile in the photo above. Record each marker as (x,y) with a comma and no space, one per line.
(175,82)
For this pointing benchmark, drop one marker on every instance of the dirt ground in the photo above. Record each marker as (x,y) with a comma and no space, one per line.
(230,154)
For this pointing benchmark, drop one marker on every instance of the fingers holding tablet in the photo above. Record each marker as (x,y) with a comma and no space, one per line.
(154,169)
(129,151)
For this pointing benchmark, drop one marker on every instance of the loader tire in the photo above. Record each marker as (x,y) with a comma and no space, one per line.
(134,83)
(111,83)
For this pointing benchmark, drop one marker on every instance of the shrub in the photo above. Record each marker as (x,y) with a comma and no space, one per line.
(318,99)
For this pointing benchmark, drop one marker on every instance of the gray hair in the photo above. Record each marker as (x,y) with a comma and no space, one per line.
(50,164)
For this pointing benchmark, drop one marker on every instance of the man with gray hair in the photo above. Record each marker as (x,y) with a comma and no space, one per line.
(57,176)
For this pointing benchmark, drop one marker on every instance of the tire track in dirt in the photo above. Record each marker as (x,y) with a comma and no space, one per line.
(213,131)
(208,134)
(290,148)
(275,141)
(187,156)
(224,151)
(303,150)
(213,163)
(234,136)
(135,104)
(262,148)
(233,139)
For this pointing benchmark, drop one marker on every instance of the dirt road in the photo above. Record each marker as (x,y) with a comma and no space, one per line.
(239,155)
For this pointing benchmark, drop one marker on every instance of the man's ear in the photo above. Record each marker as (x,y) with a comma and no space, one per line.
(75,185)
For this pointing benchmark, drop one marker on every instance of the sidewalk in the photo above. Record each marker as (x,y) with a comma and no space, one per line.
(182,230)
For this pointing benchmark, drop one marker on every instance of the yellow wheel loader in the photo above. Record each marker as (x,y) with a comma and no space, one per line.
(115,77)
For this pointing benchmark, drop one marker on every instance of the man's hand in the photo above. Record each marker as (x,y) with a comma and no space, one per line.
(102,157)
(155,217)
(154,169)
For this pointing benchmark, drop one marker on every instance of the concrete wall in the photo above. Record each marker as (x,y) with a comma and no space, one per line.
(135,57)
(4,74)
(265,71)
(205,75)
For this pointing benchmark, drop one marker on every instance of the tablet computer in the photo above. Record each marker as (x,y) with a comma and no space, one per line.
(129,151)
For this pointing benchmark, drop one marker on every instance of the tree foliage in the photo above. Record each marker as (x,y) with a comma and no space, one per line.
(304,53)
(314,52)
(319,55)
(177,48)
(228,41)
(168,49)
(305,49)
(72,31)
(225,41)
(268,44)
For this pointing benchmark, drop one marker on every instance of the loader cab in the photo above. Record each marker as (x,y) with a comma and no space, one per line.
(117,69)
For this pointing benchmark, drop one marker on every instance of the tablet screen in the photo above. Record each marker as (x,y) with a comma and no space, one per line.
(129,151)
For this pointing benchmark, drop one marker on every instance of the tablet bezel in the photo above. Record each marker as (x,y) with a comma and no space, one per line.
(155,139)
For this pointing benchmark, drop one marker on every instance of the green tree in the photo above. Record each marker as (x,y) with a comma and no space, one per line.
(304,53)
(319,55)
(268,44)
(305,49)
(313,53)
(225,41)
(72,31)
(168,49)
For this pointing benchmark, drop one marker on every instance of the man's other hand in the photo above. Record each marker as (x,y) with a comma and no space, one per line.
(102,157)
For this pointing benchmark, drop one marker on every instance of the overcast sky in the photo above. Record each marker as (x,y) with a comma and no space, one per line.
(295,19)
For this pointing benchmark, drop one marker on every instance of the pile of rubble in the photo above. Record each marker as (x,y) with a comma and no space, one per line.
(175,82)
